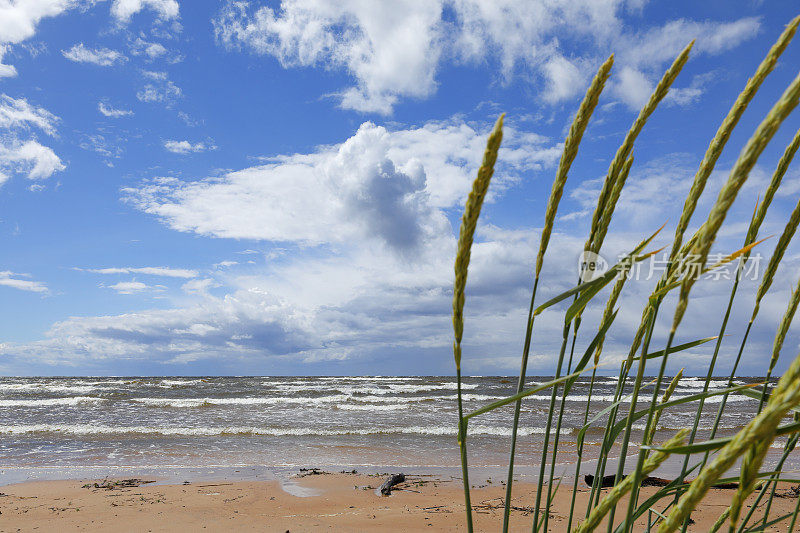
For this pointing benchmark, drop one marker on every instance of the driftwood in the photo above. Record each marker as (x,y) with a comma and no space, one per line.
(608,481)
(311,472)
(649,481)
(386,488)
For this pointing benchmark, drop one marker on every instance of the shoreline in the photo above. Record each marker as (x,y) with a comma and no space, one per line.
(305,501)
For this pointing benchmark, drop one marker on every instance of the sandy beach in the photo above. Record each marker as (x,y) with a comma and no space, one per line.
(329,501)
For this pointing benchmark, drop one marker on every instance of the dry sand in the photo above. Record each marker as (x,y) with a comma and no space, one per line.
(341,502)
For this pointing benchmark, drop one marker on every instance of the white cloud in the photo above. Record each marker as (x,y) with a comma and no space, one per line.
(633,87)
(394,53)
(185,147)
(159,90)
(378,184)
(133,287)
(650,48)
(381,303)
(199,286)
(150,49)
(29,158)
(10,279)
(391,51)
(18,113)
(124,10)
(6,71)
(104,57)
(644,54)
(152,271)
(112,112)
(18,20)
(564,79)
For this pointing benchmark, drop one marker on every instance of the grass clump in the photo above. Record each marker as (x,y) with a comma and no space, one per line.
(672,503)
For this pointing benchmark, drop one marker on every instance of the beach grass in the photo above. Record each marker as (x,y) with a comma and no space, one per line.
(706,457)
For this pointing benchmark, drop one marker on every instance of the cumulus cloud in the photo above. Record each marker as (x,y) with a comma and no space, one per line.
(20,156)
(30,158)
(11,279)
(395,53)
(111,112)
(185,147)
(151,271)
(104,57)
(381,301)
(390,52)
(124,10)
(378,184)
(368,213)
(18,21)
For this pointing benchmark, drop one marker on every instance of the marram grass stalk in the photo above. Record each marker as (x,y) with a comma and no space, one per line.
(623,152)
(576,131)
(469,222)
(741,170)
(664,399)
(684,254)
(620,489)
(775,182)
(777,256)
(571,144)
(714,149)
(761,429)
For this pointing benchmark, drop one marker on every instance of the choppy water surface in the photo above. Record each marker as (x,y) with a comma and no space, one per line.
(294,421)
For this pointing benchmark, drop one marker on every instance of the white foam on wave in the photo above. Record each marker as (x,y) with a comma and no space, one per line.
(387,388)
(361,407)
(321,400)
(89,430)
(610,398)
(170,383)
(75,400)
(47,387)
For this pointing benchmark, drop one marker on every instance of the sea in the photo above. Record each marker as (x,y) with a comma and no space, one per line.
(255,427)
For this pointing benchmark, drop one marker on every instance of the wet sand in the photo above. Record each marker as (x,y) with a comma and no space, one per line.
(337,502)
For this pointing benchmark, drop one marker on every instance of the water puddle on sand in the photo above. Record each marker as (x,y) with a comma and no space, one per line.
(295,489)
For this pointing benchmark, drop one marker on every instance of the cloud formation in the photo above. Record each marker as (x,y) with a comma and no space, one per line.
(395,52)
(104,57)
(151,271)
(26,156)
(124,10)
(111,112)
(379,184)
(11,279)
(159,89)
(133,287)
(185,147)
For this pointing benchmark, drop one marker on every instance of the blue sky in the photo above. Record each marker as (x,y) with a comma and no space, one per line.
(274,188)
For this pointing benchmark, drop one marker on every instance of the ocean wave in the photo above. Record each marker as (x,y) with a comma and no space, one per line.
(47,387)
(388,388)
(99,430)
(170,383)
(307,400)
(360,407)
(610,398)
(75,400)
